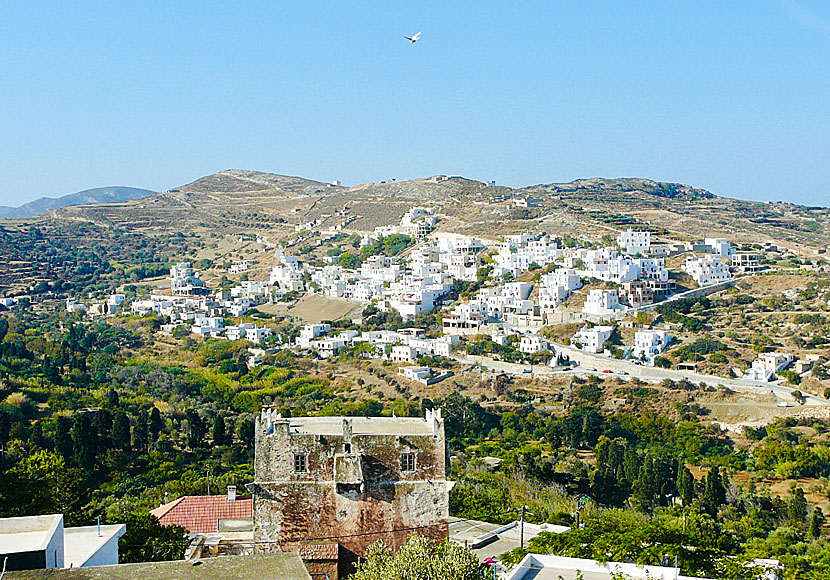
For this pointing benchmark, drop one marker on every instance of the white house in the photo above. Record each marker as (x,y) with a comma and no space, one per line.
(328,347)
(634,242)
(649,343)
(766,365)
(719,246)
(248,331)
(531,344)
(707,270)
(185,281)
(309,332)
(207,325)
(602,303)
(592,339)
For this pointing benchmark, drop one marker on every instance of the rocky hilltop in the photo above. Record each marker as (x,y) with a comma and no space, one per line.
(239,200)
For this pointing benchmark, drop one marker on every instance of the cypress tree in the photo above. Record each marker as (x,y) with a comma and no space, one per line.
(196,429)
(84,441)
(63,440)
(141,433)
(218,434)
(686,485)
(714,495)
(156,424)
(816,523)
(797,506)
(120,430)
(103,426)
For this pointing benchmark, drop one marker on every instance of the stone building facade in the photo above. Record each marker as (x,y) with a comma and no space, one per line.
(353,480)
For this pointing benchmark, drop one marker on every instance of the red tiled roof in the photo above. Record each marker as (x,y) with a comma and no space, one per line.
(200,514)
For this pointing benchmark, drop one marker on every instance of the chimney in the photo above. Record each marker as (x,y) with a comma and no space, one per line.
(231,493)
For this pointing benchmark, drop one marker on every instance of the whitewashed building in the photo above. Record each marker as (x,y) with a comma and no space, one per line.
(634,242)
(649,344)
(602,302)
(593,339)
(707,270)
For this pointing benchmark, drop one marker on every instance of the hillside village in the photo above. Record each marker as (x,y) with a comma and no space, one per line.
(397,378)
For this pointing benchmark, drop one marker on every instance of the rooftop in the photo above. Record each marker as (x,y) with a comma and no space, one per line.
(200,514)
(334,426)
(360,425)
(283,565)
(487,540)
(80,544)
(538,567)
(28,533)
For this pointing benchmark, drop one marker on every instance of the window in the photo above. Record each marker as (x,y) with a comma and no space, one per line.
(407,462)
(300,463)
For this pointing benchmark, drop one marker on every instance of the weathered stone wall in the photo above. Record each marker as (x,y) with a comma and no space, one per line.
(329,501)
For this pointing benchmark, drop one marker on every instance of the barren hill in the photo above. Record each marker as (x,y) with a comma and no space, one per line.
(238,200)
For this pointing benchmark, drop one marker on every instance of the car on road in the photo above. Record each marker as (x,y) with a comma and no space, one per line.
(607,371)
(527,371)
(623,373)
(591,369)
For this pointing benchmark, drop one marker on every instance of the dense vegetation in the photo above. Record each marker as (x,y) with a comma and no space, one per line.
(94,423)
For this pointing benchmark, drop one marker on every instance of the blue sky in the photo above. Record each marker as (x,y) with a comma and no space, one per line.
(730,96)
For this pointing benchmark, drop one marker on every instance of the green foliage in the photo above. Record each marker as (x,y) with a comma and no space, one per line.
(419,559)
(41,483)
(146,540)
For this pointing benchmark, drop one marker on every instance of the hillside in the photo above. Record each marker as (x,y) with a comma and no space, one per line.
(236,200)
(112,194)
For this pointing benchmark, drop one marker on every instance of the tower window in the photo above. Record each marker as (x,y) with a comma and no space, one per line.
(300,463)
(407,462)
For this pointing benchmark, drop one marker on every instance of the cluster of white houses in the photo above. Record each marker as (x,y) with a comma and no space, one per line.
(422,281)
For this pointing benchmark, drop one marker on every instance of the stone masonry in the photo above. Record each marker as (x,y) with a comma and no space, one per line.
(354,480)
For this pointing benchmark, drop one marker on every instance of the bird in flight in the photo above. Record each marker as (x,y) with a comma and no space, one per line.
(414,38)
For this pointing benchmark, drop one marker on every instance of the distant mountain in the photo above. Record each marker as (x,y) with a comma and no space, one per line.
(113,194)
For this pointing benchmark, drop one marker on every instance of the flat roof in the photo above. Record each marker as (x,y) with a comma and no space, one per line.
(28,533)
(283,565)
(360,425)
(80,544)
(544,567)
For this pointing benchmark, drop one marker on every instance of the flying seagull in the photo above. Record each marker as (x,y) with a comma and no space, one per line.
(414,38)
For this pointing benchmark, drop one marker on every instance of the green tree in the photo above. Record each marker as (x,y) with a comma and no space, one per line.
(84,441)
(195,429)
(120,430)
(245,431)
(714,494)
(419,559)
(797,506)
(686,485)
(41,483)
(63,438)
(155,424)
(218,433)
(141,431)
(146,540)
(816,523)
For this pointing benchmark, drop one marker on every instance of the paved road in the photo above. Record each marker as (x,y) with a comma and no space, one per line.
(627,369)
